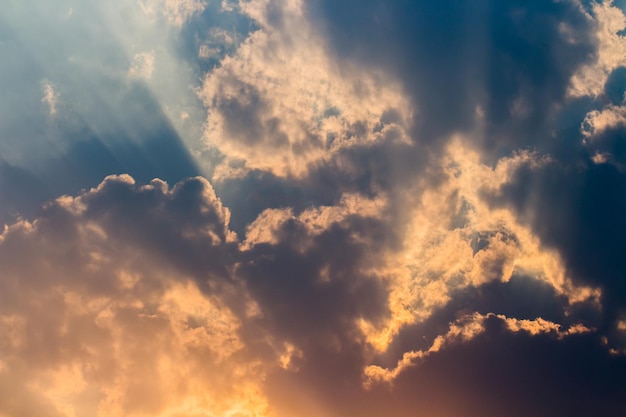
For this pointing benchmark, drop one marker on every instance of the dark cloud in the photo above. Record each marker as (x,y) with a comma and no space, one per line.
(510,58)
(374,234)
(260,190)
(100,287)
(579,210)
(521,297)
(500,373)
(615,86)
(363,169)
(312,289)
(514,61)
(186,225)
(308,292)
(496,373)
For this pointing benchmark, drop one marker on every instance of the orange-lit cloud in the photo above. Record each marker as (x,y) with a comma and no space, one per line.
(281,104)
(95,323)
(396,211)
(463,330)
(609,21)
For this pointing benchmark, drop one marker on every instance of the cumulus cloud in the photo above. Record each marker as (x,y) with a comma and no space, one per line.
(424,218)
(96,320)
(598,121)
(97,280)
(127,291)
(609,21)
(102,314)
(280,104)
(453,239)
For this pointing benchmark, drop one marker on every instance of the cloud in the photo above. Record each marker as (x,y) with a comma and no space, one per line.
(491,373)
(96,280)
(408,195)
(99,316)
(142,65)
(477,65)
(453,239)
(127,291)
(609,22)
(280,105)
(266,227)
(50,97)
(463,330)
(596,122)
(176,12)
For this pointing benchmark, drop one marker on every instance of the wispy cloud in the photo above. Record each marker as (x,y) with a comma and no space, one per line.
(142,65)
(50,97)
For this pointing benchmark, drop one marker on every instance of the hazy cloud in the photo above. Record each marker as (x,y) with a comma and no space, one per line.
(609,22)
(50,97)
(142,65)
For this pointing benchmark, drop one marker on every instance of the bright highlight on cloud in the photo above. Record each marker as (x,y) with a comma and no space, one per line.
(609,22)
(465,329)
(278,208)
(50,98)
(280,103)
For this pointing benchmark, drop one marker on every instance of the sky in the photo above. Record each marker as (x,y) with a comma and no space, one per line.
(313,208)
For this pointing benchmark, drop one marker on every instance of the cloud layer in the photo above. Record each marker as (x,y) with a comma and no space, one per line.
(365,208)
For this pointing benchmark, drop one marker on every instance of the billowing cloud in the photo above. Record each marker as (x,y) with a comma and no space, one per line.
(453,240)
(91,285)
(609,22)
(280,104)
(273,208)
(597,122)
(99,316)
